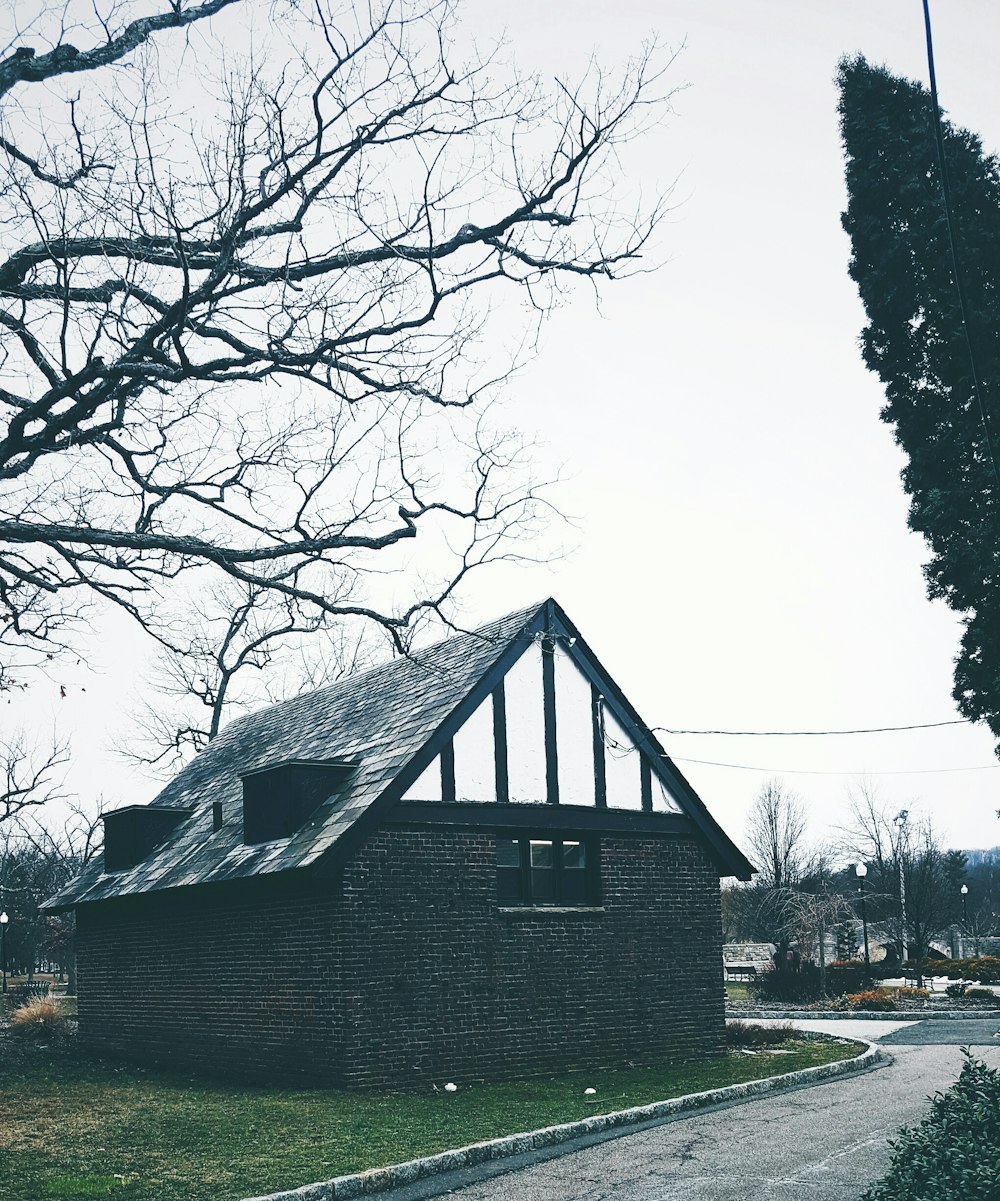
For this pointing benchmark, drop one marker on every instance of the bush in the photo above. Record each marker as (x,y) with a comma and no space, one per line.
(874,998)
(845,975)
(957,990)
(954,1154)
(748,1034)
(985,969)
(914,994)
(981,994)
(41,1017)
(794,987)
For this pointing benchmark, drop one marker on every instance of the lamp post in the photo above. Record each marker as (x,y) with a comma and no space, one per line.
(965,915)
(900,822)
(861,870)
(4,919)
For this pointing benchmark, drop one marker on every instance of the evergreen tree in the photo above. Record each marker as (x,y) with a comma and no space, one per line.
(918,344)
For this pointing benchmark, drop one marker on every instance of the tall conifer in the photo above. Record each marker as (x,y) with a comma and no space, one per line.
(917,343)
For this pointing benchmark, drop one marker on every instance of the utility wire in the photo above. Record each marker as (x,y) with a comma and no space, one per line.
(928,725)
(792,771)
(949,221)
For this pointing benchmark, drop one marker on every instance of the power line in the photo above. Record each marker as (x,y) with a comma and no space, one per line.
(928,725)
(949,221)
(792,771)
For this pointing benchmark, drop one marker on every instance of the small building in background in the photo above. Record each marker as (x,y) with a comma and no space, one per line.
(473,862)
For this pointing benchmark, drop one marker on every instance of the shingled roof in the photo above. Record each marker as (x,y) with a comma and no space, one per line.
(388,720)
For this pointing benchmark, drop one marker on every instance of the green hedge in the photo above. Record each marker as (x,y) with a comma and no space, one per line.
(954,1154)
(985,969)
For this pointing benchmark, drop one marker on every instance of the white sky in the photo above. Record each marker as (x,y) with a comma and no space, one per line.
(741,559)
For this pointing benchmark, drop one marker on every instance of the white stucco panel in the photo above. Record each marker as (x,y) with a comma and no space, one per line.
(621,766)
(475,764)
(526,728)
(574,732)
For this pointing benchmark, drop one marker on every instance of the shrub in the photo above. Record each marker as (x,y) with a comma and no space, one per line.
(914,994)
(749,1034)
(981,994)
(985,969)
(874,998)
(953,1154)
(794,987)
(845,975)
(41,1017)
(957,990)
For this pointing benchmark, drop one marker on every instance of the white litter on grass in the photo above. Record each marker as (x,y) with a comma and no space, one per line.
(590,1092)
(450,1087)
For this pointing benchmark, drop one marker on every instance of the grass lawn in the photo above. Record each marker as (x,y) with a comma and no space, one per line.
(73,1128)
(737,990)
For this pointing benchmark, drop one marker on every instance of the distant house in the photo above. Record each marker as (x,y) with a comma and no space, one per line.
(475,862)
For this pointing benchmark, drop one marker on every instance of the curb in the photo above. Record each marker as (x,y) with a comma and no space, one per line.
(870,1015)
(380,1180)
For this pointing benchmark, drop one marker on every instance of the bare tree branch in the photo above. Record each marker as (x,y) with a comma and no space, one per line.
(248,307)
(25,66)
(29,775)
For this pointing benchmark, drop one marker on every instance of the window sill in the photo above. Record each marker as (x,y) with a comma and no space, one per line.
(535,910)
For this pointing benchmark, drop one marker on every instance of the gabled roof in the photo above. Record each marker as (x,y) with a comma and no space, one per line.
(392,720)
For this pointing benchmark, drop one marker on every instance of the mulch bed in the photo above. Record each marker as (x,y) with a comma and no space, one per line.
(938,1002)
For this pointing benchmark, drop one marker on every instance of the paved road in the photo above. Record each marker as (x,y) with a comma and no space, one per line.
(817,1144)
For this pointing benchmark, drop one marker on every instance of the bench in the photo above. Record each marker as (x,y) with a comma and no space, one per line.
(20,994)
(740,971)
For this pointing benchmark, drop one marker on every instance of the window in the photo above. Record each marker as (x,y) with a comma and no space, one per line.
(547,871)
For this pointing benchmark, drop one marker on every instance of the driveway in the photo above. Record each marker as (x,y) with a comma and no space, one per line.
(817,1144)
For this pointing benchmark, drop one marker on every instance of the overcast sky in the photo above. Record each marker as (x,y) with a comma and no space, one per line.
(741,559)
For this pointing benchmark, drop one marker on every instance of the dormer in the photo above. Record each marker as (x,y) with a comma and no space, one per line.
(279,798)
(133,833)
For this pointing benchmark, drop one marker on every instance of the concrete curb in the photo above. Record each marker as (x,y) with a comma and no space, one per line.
(380,1180)
(870,1015)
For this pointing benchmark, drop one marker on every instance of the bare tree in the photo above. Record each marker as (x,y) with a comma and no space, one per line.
(30,774)
(915,881)
(932,880)
(810,916)
(775,841)
(776,829)
(37,858)
(245,646)
(247,301)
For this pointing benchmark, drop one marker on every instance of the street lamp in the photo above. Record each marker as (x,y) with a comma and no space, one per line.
(861,871)
(899,821)
(965,906)
(4,919)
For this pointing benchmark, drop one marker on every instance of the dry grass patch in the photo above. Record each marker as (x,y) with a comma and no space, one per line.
(41,1017)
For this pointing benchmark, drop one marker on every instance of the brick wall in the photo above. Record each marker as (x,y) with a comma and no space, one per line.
(407,972)
(235,980)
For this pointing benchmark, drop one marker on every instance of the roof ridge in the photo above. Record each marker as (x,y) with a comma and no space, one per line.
(359,676)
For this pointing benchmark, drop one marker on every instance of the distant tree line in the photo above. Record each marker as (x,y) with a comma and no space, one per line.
(809,897)
(37,858)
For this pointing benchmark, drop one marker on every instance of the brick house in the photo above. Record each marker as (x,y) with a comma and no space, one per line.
(475,862)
